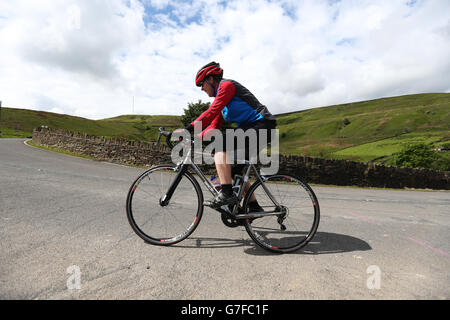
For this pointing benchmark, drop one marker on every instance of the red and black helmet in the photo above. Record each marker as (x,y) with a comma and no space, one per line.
(211,69)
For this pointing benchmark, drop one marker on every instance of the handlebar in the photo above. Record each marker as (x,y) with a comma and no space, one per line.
(167,134)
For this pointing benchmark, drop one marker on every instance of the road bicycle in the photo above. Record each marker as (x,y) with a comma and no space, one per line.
(165,205)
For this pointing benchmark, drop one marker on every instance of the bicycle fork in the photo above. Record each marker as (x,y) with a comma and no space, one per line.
(164,201)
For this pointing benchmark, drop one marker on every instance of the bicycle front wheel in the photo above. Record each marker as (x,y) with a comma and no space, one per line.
(159,223)
(297,221)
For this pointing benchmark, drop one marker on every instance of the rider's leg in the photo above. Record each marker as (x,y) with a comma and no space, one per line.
(224,172)
(226,195)
(223,168)
(246,187)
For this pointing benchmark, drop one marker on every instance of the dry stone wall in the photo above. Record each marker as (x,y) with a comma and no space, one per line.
(312,170)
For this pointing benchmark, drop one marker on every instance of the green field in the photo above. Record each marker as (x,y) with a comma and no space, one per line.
(19,123)
(366,130)
(361,131)
(381,149)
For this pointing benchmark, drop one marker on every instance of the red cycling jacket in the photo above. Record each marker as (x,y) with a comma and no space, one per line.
(235,104)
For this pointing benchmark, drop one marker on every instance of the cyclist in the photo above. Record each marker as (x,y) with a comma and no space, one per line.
(235,104)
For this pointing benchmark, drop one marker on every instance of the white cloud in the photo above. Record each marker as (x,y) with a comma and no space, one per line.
(90,58)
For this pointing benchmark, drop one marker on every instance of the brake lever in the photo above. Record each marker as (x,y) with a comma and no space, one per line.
(161,133)
(159,139)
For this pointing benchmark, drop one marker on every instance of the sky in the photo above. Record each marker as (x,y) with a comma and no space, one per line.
(103,58)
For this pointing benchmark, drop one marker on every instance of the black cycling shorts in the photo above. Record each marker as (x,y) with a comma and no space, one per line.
(237,167)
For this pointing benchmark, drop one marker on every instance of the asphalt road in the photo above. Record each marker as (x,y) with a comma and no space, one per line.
(64,235)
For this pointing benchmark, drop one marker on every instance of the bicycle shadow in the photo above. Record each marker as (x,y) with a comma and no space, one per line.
(322,243)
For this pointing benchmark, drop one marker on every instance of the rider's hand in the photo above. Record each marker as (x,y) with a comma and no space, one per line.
(178,132)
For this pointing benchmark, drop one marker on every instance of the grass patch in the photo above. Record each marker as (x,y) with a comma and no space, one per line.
(13,133)
(324,131)
(387,147)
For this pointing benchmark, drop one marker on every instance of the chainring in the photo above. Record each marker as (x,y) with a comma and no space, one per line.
(229,222)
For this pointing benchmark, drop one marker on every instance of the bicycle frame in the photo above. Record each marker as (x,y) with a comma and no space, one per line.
(183,166)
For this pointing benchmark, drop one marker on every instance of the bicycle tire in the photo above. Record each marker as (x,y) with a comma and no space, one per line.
(181,216)
(301,224)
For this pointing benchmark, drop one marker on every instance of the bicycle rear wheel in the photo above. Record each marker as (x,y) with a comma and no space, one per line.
(299,214)
(161,224)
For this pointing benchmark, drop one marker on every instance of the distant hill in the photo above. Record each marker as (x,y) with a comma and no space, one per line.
(21,122)
(362,131)
(367,130)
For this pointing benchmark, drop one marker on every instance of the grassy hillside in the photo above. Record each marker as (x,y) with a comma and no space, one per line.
(20,123)
(140,127)
(361,131)
(366,130)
